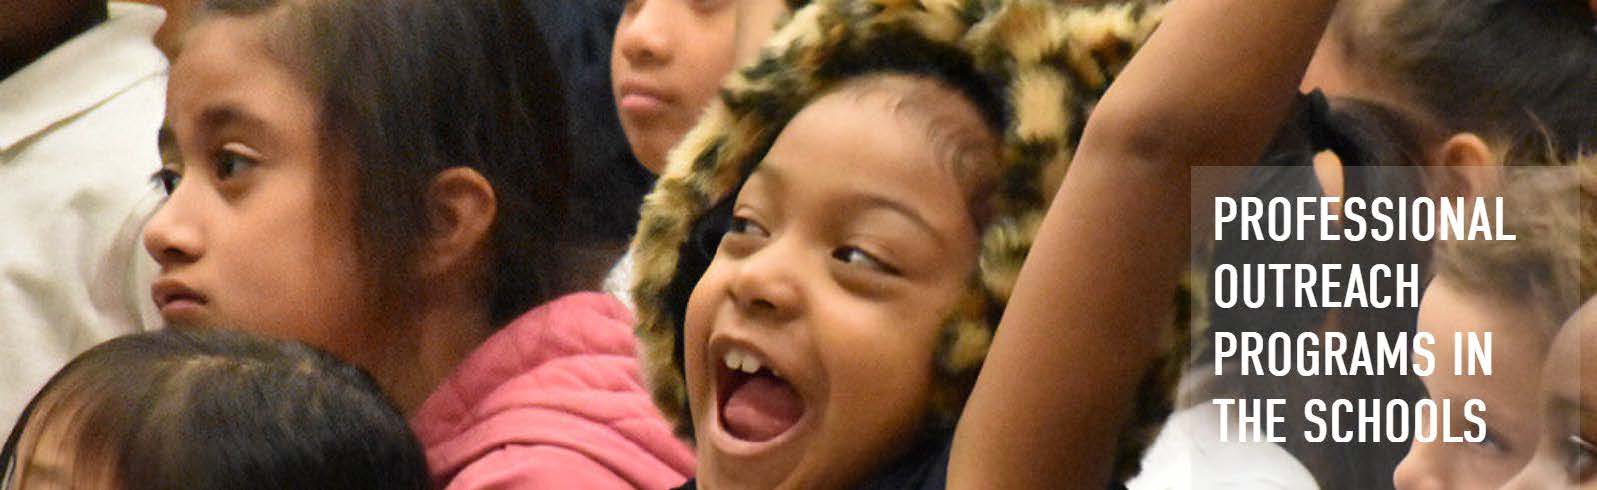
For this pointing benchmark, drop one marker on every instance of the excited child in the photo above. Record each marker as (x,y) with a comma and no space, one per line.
(829,256)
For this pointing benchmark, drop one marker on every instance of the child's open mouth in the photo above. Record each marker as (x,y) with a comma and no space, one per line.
(756,403)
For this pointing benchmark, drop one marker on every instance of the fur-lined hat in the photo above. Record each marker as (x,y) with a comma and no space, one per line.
(1034,67)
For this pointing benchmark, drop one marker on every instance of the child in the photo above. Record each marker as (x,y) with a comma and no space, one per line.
(1191,452)
(1566,454)
(1491,81)
(382,179)
(877,198)
(667,62)
(210,409)
(669,58)
(1520,291)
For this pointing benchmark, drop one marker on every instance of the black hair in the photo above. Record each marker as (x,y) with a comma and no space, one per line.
(1517,72)
(409,88)
(27,36)
(1381,156)
(607,182)
(213,409)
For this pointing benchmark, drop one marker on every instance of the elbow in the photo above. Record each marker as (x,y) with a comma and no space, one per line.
(1130,140)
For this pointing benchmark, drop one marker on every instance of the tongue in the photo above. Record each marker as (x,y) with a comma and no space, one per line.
(762,408)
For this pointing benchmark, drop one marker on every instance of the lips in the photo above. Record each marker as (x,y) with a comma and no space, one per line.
(638,99)
(756,404)
(176,301)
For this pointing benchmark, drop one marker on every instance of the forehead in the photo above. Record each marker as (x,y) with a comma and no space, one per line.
(900,119)
(1519,337)
(226,64)
(864,139)
(1447,308)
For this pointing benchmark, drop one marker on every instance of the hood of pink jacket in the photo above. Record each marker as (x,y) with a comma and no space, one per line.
(553,400)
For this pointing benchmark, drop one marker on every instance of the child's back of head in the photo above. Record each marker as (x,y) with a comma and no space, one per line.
(1375,143)
(1516,73)
(210,409)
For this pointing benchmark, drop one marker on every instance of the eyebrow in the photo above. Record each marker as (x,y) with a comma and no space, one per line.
(871,200)
(166,144)
(867,200)
(229,114)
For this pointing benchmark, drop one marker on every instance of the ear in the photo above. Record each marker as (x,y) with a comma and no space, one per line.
(461,207)
(1466,166)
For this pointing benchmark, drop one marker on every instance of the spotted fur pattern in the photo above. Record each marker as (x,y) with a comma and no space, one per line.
(1047,62)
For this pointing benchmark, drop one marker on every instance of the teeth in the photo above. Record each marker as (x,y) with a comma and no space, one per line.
(741,360)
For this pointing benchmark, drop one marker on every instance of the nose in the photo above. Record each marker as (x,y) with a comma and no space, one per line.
(644,35)
(1421,469)
(767,285)
(173,235)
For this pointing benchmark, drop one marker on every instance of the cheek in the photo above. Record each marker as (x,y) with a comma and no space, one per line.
(705,63)
(877,378)
(296,274)
(698,322)
(880,373)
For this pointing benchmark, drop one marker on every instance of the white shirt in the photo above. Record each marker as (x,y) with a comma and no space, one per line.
(618,282)
(1188,454)
(77,148)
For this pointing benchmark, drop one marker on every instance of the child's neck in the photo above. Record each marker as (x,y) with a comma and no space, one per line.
(430,348)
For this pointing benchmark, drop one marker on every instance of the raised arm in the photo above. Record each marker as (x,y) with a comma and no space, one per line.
(1209,87)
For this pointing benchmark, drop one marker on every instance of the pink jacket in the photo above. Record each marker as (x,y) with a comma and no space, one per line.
(553,400)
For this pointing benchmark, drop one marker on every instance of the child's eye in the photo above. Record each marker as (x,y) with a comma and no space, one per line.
(168,178)
(745,226)
(229,162)
(1579,457)
(857,256)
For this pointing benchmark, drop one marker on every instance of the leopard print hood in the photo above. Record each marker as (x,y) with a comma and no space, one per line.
(1045,64)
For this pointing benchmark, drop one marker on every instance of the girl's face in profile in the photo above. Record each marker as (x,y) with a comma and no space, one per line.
(257,233)
(668,61)
(1519,339)
(809,342)
(1567,454)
